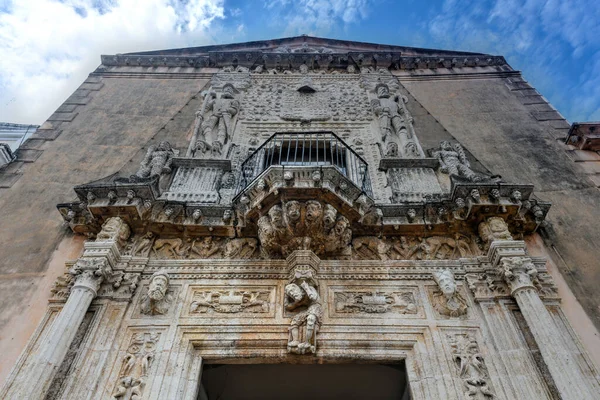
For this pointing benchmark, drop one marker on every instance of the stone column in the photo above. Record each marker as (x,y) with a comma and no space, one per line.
(89,274)
(518,271)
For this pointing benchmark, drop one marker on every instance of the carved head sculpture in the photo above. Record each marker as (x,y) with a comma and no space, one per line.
(445,145)
(304,69)
(460,202)
(351,69)
(265,228)
(294,292)
(196,214)
(445,281)
(227,215)
(515,196)
(276,215)
(411,149)
(164,146)
(158,285)
(411,214)
(341,224)
(494,228)
(292,210)
(329,215)
(228,91)
(382,90)
(495,194)
(475,195)
(314,210)
(202,146)
(391,149)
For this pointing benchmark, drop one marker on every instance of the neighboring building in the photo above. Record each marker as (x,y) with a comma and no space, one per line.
(11,137)
(301,218)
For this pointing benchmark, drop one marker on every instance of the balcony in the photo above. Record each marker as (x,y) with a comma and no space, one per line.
(312,150)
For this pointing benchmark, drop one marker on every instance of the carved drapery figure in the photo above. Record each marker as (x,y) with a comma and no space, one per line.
(447,300)
(241,248)
(157,161)
(302,294)
(136,364)
(494,228)
(471,366)
(222,110)
(453,161)
(394,124)
(304,226)
(143,245)
(157,299)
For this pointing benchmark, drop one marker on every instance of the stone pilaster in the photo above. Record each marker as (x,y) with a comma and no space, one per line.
(509,259)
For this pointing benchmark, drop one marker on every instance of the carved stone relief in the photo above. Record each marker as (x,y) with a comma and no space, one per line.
(310,225)
(303,300)
(158,298)
(413,248)
(470,366)
(114,229)
(447,300)
(224,300)
(377,301)
(454,162)
(205,247)
(135,366)
(494,228)
(157,162)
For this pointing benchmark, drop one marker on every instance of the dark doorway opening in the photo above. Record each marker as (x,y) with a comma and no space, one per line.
(304,382)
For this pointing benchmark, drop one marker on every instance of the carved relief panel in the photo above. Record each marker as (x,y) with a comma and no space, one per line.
(374,301)
(230,301)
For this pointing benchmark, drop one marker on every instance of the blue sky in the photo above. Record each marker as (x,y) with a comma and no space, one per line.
(47,47)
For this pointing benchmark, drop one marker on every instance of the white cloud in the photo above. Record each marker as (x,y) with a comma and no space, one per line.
(49,47)
(546,38)
(317,17)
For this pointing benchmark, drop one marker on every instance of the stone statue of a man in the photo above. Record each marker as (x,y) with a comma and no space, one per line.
(157,161)
(303,293)
(453,161)
(448,301)
(222,109)
(157,299)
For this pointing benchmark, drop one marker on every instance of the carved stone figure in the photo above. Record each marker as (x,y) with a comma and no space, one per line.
(471,366)
(205,247)
(114,229)
(394,121)
(143,245)
(222,110)
(494,228)
(375,302)
(302,294)
(135,366)
(157,161)
(447,300)
(307,225)
(412,248)
(453,161)
(241,248)
(157,299)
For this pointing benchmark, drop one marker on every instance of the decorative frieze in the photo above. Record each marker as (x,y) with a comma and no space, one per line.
(375,301)
(414,248)
(225,300)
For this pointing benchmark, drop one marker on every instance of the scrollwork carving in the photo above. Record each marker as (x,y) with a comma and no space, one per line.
(470,366)
(230,301)
(135,366)
(375,302)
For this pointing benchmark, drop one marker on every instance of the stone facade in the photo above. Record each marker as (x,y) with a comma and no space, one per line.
(293,203)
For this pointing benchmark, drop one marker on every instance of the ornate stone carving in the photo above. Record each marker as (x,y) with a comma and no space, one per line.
(142,245)
(135,365)
(375,302)
(302,297)
(114,229)
(120,285)
(470,366)
(157,162)
(62,287)
(448,301)
(230,301)
(413,248)
(453,161)
(242,248)
(307,225)
(91,272)
(394,124)
(494,228)
(217,129)
(519,273)
(157,299)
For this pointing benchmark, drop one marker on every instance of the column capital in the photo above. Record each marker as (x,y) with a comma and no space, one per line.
(519,273)
(89,273)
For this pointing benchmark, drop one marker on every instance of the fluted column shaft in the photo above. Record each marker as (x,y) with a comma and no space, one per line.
(55,344)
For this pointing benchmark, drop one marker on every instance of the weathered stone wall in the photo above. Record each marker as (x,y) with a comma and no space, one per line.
(495,123)
(121,116)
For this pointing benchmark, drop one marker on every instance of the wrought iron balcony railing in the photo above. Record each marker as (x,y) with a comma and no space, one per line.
(316,149)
